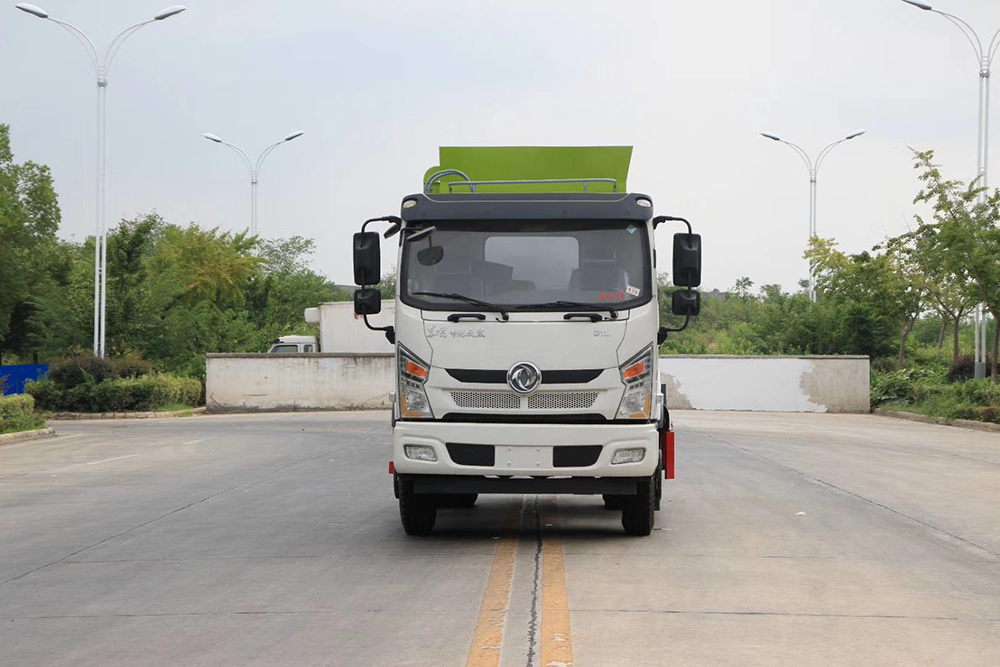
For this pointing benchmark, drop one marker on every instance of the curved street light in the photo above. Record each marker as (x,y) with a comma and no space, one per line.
(101,67)
(813,168)
(254,167)
(984,57)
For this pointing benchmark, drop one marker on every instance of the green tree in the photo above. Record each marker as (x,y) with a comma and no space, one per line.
(887,282)
(29,219)
(963,234)
(284,286)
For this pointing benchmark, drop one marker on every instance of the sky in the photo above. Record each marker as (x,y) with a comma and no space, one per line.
(377,86)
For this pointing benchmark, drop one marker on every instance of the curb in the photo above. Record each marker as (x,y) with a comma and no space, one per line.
(924,419)
(72,416)
(11,438)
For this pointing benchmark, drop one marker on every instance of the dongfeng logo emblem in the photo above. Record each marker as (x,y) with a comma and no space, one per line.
(524,377)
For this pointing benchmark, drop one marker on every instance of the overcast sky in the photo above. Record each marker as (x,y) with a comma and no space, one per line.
(377,86)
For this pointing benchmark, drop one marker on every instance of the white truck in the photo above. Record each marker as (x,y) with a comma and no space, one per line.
(294,345)
(341,331)
(526,335)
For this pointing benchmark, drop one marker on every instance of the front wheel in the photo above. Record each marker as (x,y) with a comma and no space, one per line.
(614,502)
(417,512)
(457,500)
(638,513)
(658,476)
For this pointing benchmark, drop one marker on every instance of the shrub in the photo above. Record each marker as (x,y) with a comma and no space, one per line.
(132,367)
(965,368)
(113,396)
(184,390)
(148,392)
(47,394)
(988,414)
(965,412)
(73,372)
(884,364)
(962,369)
(17,413)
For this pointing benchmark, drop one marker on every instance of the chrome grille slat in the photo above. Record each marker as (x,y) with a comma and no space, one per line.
(508,400)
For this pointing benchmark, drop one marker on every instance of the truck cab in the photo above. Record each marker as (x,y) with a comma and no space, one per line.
(526,335)
(293,345)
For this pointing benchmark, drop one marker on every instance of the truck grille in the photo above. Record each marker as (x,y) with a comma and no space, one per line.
(508,400)
(579,400)
(487,400)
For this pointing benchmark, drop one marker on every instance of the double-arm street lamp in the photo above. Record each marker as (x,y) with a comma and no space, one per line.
(984,60)
(813,168)
(254,168)
(101,67)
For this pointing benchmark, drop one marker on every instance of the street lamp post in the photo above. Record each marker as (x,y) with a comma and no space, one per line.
(101,67)
(254,168)
(984,58)
(813,168)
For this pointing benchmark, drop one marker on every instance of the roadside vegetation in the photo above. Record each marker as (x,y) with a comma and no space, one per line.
(907,304)
(17,413)
(91,384)
(177,292)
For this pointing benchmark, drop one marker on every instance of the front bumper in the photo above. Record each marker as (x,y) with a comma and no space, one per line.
(526,449)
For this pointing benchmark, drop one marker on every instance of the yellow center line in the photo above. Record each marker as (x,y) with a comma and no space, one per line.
(556,642)
(488,637)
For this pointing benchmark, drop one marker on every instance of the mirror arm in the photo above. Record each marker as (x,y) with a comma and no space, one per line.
(394,219)
(390,331)
(665,330)
(669,218)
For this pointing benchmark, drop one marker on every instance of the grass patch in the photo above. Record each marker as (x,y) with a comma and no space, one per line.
(24,428)
(175,407)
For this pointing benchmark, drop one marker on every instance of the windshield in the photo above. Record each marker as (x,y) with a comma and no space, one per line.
(528,265)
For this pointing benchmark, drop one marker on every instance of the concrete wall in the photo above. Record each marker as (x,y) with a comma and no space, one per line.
(249,382)
(777,384)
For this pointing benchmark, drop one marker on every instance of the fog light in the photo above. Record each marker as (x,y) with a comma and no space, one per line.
(626,456)
(421,453)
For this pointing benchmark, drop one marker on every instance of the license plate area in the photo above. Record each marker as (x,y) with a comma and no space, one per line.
(510,457)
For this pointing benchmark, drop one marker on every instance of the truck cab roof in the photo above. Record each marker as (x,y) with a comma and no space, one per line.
(423,207)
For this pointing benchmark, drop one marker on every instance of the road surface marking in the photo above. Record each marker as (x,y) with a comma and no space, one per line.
(193,442)
(556,643)
(488,637)
(117,458)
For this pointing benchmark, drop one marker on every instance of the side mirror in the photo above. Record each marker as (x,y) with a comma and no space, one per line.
(367,301)
(367,259)
(686,302)
(687,260)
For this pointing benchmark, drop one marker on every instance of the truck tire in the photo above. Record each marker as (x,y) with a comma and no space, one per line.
(638,515)
(613,502)
(416,512)
(658,476)
(457,500)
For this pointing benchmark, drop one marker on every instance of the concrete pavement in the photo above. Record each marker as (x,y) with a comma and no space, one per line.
(274,540)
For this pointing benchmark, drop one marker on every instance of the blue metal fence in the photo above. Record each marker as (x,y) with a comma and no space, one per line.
(14,377)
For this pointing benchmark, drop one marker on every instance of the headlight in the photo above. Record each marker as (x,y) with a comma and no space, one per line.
(413,403)
(637,376)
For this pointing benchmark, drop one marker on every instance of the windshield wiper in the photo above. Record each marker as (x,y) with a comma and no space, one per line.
(468,299)
(571,304)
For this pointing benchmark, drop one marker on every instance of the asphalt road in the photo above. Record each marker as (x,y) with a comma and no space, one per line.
(813,540)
